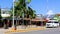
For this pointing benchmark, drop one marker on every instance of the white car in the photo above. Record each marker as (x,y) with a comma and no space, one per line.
(52,23)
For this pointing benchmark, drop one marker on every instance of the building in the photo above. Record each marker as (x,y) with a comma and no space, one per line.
(5,12)
(39,20)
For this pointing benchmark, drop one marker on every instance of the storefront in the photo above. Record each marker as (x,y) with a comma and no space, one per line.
(38,22)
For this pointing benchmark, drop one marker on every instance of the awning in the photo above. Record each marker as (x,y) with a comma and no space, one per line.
(37,19)
(11,18)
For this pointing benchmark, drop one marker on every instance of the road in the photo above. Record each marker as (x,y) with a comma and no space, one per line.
(46,31)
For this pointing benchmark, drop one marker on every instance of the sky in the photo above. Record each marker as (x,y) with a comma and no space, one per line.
(40,6)
(6,3)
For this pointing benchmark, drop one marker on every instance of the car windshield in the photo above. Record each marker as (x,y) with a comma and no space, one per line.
(50,22)
(55,22)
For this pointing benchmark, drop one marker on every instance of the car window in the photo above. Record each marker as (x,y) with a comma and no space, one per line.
(50,22)
(55,22)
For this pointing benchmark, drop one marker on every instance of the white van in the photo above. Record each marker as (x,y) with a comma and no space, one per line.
(52,23)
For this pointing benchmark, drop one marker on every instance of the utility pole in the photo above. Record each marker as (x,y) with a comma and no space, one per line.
(13,16)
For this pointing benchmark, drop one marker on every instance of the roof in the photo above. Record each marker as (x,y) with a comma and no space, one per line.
(26,18)
(58,14)
(37,19)
(12,18)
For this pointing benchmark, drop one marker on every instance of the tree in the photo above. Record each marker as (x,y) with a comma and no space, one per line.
(20,8)
(0,15)
(31,12)
(56,17)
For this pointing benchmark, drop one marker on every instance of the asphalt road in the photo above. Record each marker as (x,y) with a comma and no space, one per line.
(46,31)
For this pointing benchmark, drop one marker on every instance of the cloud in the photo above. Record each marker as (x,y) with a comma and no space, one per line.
(2,9)
(50,12)
(14,0)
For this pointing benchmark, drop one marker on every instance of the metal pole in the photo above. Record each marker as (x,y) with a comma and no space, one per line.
(13,14)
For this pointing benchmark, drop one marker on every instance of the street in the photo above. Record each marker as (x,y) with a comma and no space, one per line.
(46,31)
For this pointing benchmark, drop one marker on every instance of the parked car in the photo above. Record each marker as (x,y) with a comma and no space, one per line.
(52,23)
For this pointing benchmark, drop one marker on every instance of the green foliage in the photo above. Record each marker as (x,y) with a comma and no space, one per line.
(20,9)
(29,1)
(57,18)
(0,15)
(31,12)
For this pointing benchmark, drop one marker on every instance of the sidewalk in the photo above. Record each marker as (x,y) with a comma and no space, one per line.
(25,29)
(2,30)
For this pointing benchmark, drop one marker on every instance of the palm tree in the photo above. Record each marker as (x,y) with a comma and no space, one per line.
(31,13)
(20,8)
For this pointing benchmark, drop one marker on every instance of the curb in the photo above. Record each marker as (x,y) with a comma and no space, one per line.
(25,30)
